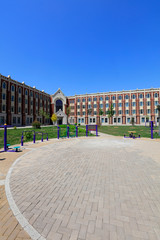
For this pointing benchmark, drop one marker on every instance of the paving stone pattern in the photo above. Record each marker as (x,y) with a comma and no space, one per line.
(90,189)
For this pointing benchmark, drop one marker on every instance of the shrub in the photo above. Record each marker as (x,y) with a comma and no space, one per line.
(28,136)
(36,124)
(15,128)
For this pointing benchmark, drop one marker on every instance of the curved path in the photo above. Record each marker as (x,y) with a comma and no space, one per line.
(88,188)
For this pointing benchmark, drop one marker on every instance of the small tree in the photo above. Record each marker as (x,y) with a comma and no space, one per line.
(132,121)
(158,108)
(54,118)
(110,112)
(68,112)
(100,113)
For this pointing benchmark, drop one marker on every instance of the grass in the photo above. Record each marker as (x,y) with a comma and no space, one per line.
(14,135)
(121,130)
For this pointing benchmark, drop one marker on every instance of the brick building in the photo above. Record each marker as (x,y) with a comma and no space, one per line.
(20,104)
(138,104)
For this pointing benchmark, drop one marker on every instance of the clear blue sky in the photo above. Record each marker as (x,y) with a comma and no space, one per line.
(81,46)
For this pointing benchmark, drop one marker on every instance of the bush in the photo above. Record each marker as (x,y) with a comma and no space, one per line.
(36,124)
(28,136)
(14,127)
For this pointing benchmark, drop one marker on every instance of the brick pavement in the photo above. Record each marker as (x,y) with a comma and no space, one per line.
(91,189)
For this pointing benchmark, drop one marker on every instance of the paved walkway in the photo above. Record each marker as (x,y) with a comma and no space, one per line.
(105,188)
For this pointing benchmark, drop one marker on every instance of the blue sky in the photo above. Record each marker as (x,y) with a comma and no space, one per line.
(81,46)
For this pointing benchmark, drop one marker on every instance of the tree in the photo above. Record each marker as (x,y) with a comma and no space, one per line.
(100,113)
(132,121)
(54,118)
(110,111)
(158,108)
(68,112)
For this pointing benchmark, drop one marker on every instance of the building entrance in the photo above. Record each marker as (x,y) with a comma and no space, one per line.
(60,121)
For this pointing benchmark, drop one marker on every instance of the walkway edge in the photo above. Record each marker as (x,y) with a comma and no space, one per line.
(20,218)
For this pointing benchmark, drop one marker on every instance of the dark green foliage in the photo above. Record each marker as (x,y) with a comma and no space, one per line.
(36,124)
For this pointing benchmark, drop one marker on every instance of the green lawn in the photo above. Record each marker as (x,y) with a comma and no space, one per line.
(14,135)
(121,130)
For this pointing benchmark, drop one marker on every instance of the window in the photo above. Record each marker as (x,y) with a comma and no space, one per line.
(140,96)
(107,98)
(89,99)
(120,112)
(156,111)
(148,111)
(143,120)
(78,100)
(106,120)
(102,120)
(4,96)
(26,101)
(26,92)
(114,105)
(14,120)
(94,99)
(147,95)
(119,104)
(94,120)
(148,103)
(95,105)
(101,105)
(128,120)
(83,100)
(19,120)
(26,110)
(19,109)
(84,113)
(115,120)
(155,103)
(127,111)
(78,113)
(141,104)
(133,111)
(119,120)
(79,120)
(12,109)
(72,101)
(36,95)
(4,85)
(89,106)
(83,106)
(156,95)
(101,99)
(120,97)
(82,120)
(31,93)
(95,113)
(12,98)
(127,104)
(133,96)
(113,98)
(126,97)
(19,90)
(12,88)
(4,108)
(141,111)
(78,106)
(107,105)
(133,104)
(31,102)
(90,120)
(59,105)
